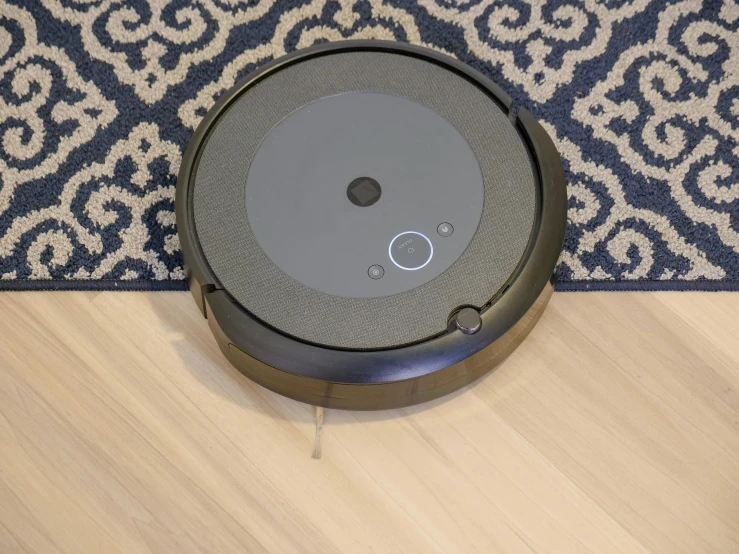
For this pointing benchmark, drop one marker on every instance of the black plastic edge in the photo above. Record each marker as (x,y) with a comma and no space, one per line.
(342,366)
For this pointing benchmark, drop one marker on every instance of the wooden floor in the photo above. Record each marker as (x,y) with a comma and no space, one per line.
(614,428)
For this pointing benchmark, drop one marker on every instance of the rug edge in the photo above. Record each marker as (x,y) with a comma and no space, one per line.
(647,286)
(178,286)
(97,285)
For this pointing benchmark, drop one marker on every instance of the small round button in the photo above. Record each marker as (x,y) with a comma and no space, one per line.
(468,321)
(445,229)
(376,271)
(411,250)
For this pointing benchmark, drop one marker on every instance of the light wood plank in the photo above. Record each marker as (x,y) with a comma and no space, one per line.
(614,428)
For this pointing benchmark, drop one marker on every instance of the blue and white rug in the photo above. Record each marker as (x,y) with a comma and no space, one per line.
(98,99)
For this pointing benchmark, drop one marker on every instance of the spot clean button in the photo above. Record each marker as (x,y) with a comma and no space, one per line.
(411,250)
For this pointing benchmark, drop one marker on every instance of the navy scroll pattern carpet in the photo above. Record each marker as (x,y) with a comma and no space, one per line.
(98,99)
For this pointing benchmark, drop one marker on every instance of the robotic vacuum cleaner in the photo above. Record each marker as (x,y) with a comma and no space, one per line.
(369,225)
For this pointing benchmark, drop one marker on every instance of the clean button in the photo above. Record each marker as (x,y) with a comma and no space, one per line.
(411,250)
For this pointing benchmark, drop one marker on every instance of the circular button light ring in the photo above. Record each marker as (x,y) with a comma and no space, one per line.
(410,250)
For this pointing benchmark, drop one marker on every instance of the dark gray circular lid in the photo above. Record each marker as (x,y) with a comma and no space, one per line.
(279,231)
(321,234)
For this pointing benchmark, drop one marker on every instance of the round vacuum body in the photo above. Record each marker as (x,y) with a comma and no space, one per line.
(369,225)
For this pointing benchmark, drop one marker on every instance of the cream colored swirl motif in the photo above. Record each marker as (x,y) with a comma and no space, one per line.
(98,99)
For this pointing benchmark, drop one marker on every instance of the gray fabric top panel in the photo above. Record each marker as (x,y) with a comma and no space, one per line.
(277,299)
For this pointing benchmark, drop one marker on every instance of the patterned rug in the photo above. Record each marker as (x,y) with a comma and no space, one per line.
(98,99)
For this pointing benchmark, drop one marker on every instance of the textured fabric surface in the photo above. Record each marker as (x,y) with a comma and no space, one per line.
(261,287)
(98,100)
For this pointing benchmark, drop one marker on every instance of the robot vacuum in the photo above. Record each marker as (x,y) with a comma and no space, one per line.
(369,225)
